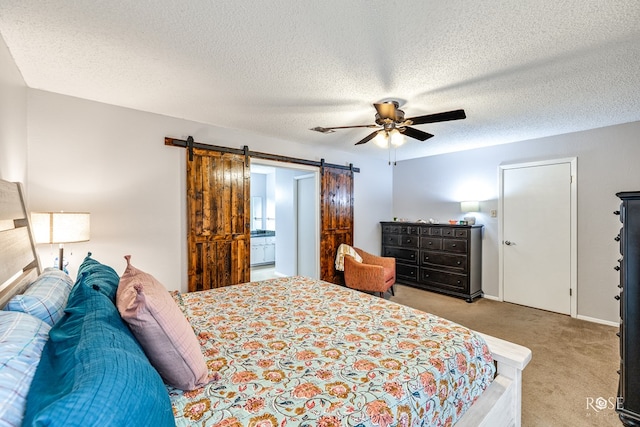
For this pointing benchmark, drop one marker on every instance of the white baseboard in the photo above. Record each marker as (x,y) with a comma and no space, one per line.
(602,322)
(587,318)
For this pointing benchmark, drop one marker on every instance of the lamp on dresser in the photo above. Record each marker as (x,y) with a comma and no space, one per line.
(470,207)
(61,228)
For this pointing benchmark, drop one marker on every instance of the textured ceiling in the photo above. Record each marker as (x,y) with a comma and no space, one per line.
(520,69)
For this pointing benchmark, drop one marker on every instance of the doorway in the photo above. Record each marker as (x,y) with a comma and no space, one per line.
(289,211)
(537,252)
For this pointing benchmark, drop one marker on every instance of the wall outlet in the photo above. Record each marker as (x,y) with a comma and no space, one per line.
(494,213)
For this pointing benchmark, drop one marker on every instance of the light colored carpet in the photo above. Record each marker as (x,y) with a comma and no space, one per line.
(574,364)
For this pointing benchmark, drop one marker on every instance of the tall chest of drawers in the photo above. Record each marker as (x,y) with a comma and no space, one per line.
(628,405)
(436,257)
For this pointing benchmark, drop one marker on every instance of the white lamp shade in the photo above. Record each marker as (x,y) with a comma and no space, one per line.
(396,138)
(61,227)
(472,206)
(381,139)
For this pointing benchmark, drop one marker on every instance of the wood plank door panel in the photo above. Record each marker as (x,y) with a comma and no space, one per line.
(218,219)
(336,216)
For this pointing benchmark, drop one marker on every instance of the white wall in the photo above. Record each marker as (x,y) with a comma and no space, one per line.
(432,187)
(112,162)
(259,189)
(13,119)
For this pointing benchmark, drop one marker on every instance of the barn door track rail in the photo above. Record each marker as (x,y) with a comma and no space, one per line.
(190,144)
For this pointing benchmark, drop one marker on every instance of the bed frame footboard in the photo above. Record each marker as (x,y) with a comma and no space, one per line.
(501,403)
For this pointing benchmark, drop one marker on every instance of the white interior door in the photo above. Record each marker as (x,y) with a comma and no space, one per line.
(537,236)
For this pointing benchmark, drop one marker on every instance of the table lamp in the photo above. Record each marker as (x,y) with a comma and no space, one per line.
(61,228)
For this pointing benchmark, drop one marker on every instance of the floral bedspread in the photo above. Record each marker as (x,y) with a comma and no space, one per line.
(301,352)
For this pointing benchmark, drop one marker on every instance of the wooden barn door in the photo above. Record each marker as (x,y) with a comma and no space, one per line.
(218,213)
(336,218)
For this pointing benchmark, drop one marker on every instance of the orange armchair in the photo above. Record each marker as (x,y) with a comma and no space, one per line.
(373,274)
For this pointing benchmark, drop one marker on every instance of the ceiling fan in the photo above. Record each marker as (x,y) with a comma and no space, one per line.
(390,120)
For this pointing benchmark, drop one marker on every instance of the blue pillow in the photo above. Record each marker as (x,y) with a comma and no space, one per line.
(45,298)
(99,276)
(22,339)
(93,371)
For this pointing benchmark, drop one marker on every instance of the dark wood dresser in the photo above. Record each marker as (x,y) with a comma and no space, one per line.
(436,257)
(628,405)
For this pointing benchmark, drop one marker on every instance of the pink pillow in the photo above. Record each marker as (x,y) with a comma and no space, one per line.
(161,328)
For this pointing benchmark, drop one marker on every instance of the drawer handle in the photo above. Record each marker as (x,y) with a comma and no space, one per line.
(426,275)
(426,258)
(430,243)
(458,263)
(408,240)
(412,256)
(453,245)
(459,282)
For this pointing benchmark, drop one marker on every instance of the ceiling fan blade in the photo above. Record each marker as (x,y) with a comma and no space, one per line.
(438,117)
(367,138)
(331,129)
(386,110)
(417,134)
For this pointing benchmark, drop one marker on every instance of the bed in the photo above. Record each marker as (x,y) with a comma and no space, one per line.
(289,351)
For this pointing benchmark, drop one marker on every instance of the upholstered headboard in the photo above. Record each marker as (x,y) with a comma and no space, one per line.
(19,263)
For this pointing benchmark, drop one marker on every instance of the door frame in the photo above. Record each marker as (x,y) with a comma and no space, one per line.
(573,162)
(313,170)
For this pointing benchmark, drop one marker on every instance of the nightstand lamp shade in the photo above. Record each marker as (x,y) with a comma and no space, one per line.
(61,228)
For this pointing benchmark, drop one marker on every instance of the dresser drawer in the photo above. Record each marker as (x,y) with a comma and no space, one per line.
(391,229)
(431,243)
(432,231)
(448,232)
(410,241)
(461,232)
(450,261)
(391,239)
(408,272)
(455,245)
(452,281)
(401,254)
(409,229)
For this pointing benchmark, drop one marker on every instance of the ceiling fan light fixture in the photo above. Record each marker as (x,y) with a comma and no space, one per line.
(381,139)
(396,138)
